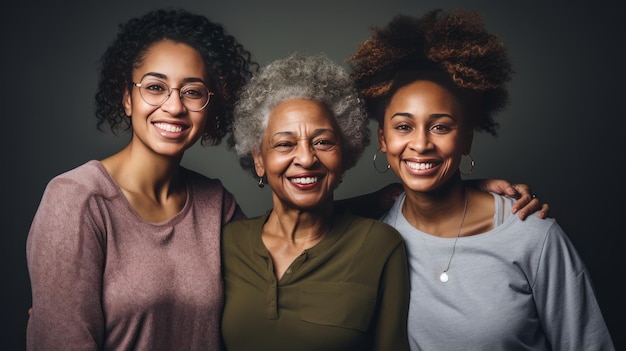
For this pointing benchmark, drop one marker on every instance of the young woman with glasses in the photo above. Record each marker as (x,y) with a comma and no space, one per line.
(123,253)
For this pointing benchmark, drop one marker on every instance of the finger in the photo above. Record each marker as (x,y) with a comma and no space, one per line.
(512,192)
(545,209)
(522,189)
(523,200)
(531,207)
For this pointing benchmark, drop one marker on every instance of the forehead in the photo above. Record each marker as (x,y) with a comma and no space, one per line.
(424,94)
(173,60)
(297,115)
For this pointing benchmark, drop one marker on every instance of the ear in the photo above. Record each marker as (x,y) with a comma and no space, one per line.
(127,102)
(382,144)
(259,167)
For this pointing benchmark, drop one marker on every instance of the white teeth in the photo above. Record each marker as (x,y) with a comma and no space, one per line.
(419,166)
(168,127)
(305,180)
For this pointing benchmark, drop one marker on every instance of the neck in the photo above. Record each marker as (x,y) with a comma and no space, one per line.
(438,212)
(154,176)
(300,226)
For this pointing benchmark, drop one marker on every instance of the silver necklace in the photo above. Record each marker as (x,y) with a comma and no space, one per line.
(444,276)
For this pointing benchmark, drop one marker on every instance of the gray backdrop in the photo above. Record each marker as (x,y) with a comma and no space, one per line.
(560,134)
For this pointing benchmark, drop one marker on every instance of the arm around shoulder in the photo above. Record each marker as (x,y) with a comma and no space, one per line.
(374,204)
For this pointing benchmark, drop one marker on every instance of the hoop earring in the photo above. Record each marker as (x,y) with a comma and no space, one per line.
(375,167)
(261,184)
(472,164)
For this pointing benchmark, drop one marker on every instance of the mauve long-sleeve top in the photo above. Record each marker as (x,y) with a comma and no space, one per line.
(105,279)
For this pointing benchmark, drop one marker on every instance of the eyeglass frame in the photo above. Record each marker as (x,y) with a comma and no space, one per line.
(180,95)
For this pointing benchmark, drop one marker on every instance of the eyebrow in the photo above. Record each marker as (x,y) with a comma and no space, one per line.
(164,77)
(410,115)
(315,133)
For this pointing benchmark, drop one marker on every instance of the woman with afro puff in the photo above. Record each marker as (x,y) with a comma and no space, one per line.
(481,278)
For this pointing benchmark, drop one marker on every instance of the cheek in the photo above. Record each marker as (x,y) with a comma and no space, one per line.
(333,163)
(276,163)
(138,110)
(201,121)
(452,146)
(395,144)
(452,153)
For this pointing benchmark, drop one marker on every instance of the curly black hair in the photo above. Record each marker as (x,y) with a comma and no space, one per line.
(451,48)
(227,63)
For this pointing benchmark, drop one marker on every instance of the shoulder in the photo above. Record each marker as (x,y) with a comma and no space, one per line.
(533,224)
(378,226)
(211,193)
(241,236)
(205,185)
(203,182)
(392,215)
(85,181)
(557,246)
(372,242)
(375,231)
(542,236)
(87,173)
(245,225)
(74,203)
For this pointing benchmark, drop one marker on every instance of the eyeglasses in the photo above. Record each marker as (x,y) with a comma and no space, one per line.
(194,96)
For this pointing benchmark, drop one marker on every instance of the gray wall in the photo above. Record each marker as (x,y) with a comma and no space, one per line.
(560,134)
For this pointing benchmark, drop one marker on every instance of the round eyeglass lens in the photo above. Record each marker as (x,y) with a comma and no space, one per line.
(194,96)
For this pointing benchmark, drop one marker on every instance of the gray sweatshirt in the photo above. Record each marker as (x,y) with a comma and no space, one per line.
(520,286)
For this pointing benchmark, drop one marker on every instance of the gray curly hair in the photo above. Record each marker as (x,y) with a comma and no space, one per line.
(298,76)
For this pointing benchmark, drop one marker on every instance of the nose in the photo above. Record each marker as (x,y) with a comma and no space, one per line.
(305,155)
(174,102)
(421,141)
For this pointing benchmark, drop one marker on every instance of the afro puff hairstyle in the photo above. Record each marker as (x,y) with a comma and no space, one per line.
(451,48)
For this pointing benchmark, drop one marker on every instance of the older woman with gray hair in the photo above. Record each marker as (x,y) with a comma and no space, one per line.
(307,275)
(313,78)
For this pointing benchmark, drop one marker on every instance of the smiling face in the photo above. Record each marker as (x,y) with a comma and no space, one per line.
(300,154)
(171,128)
(424,135)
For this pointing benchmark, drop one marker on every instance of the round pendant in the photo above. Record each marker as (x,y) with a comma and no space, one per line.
(443,277)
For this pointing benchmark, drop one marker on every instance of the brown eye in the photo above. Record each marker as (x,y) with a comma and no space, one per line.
(324,144)
(154,87)
(440,129)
